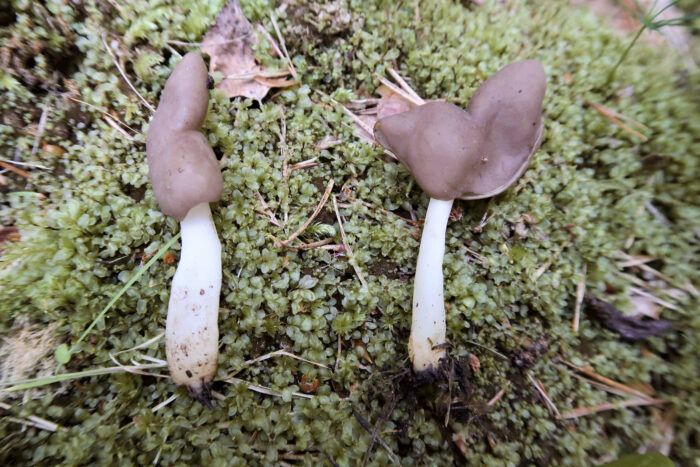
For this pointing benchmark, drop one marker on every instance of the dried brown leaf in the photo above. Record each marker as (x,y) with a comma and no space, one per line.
(229,44)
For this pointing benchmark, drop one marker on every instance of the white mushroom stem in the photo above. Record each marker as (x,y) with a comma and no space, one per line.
(428,321)
(191,330)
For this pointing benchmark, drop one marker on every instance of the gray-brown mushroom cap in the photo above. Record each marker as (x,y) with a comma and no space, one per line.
(183,168)
(477,153)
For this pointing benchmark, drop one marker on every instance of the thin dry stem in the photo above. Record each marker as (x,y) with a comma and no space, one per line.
(498,396)
(40,129)
(404,85)
(595,376)
(308,222)
(266,209)
(582,411)
(543,392)
(580,290)
(412,98)
(616,118)
(292,70)
(351,256)
(14,169)
(126,78)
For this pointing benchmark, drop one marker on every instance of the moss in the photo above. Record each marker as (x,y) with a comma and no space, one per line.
(584,196)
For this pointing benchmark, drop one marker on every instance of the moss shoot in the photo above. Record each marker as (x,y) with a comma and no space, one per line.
(88,221)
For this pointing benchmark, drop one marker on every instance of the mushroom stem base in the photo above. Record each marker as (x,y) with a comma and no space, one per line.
(426,343)
(191,330)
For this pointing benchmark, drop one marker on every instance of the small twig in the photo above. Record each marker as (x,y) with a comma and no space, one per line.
(15,170)
(498,395)
(580,290)
(126,78)
(389,408)
(308,222)
(363,423)
(351,257)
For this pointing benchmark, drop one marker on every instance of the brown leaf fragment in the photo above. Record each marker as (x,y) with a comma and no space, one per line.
(229,44)
(9,234)
(629,327)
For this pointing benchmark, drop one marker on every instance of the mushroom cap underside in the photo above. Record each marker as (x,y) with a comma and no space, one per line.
(477,153)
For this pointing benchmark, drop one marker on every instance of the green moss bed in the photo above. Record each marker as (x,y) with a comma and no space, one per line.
(87,218)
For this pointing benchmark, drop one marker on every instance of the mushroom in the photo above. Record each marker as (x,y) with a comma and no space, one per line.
(185,177)
(453,153)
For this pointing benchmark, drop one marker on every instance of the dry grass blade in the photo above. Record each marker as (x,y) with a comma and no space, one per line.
(138,369)
(580,290)
(126,78)
(308,222)
(353,261)
(397,77)
(498,395)
(413,99)
(40,129)
(541,270)
(33,421)
(304,164)
(259,74)
(153,340)
(104,112)
(292,70)
(14,169)
(582,411)
(166,402)
(364,424)
(616,118)
(541,390)
(276,353)
(267,212)
(655,299)
(263,389)
(607,381)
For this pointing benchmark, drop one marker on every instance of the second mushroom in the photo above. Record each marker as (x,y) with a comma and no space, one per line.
(453,153)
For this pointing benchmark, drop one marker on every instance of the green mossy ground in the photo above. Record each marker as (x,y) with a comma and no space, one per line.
(586,191)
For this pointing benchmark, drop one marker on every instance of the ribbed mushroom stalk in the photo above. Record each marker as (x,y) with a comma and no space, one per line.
(453,153)
(185,177)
